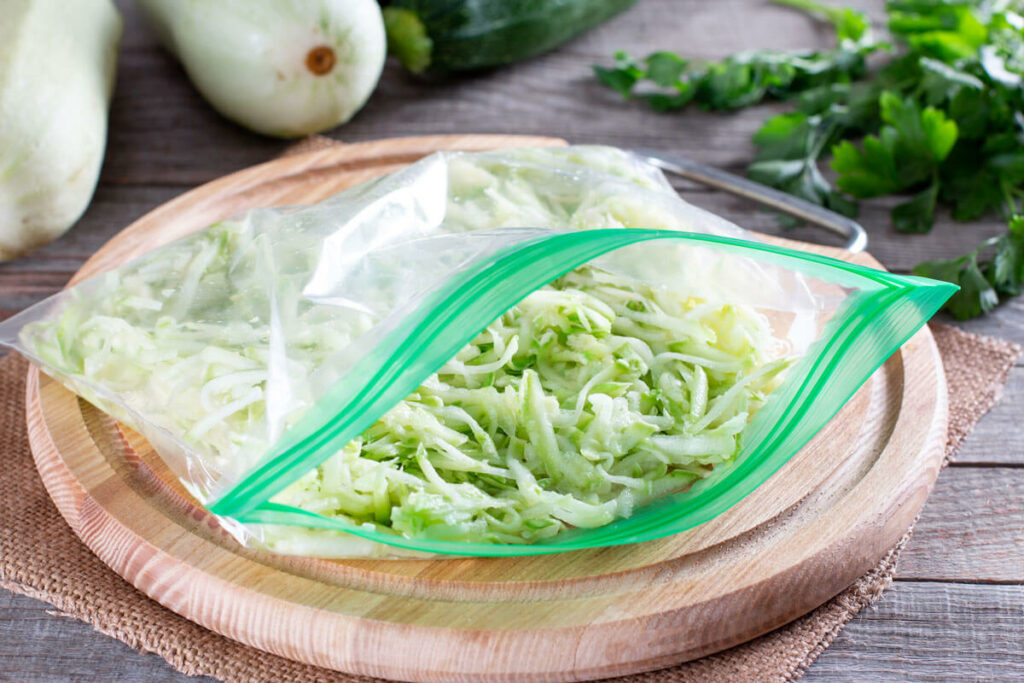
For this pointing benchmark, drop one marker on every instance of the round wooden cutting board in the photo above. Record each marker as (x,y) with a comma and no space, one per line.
(821,522)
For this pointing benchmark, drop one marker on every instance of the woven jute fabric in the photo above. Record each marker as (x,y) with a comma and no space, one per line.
(42,558)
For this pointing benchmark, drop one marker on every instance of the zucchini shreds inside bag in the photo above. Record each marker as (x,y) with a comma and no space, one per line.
(592,396)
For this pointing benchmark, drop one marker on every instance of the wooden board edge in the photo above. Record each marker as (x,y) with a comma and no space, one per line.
(75,500)
(72,499)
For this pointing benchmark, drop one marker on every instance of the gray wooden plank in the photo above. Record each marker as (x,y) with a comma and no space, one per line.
(165,139)
(163,133)
(1006,322)
(40,646)
(920,631)
(137,34)
(19,290)
(997,438)
(971,528)
(648,18)
(931,632)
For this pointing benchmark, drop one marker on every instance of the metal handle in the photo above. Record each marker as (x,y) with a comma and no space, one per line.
(856,237)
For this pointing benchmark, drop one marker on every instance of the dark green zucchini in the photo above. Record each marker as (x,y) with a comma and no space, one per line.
(466,35)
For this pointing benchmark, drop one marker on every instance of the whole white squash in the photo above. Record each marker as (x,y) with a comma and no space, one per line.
(57,62)
(285,68)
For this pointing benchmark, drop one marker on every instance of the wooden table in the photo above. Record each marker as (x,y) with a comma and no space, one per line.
(956,610)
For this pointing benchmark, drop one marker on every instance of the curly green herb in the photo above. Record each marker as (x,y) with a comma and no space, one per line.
(939,121)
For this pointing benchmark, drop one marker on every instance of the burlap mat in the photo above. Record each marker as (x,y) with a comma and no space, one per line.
(41,557)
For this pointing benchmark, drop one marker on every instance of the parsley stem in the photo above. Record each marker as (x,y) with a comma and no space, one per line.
(1009,196)
(831,14)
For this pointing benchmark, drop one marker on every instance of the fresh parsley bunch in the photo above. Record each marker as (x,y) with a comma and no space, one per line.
(939,121)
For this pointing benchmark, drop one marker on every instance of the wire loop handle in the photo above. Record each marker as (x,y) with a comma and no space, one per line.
(675,164)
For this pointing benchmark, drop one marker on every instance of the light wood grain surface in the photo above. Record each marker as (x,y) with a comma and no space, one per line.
(823,520)
(957,609)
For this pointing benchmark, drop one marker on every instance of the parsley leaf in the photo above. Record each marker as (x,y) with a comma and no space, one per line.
(944,30)
(622,77)
(668,81)
(849,23)
(918,214)
(939,121)
(867,172)
(790,145)
(906,152)
(666,68)
(983,280)
(976,295)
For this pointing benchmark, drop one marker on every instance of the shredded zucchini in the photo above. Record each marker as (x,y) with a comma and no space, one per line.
(594,395)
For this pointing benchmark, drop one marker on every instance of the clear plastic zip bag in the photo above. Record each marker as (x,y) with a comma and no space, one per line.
(404,367)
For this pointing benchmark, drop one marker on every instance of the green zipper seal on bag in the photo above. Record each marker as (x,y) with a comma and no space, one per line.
(425,340)
(873,322)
